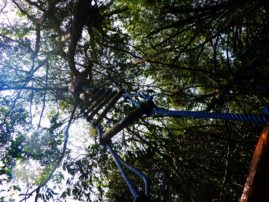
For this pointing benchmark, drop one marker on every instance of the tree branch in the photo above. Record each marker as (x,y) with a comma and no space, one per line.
(56,165)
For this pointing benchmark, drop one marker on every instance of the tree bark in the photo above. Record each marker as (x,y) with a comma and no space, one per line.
(256,188)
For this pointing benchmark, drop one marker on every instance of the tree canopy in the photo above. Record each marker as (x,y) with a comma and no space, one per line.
(194,55)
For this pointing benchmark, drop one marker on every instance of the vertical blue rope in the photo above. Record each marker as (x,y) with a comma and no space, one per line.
(138,197)
(124,175)
(139,173)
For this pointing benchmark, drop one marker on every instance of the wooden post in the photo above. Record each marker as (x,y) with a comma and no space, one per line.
(144,108)
(256,188)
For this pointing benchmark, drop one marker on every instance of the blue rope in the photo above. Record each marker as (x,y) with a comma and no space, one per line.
(128,98)
(123,174)
(251,118)
(139,173)
(138,197)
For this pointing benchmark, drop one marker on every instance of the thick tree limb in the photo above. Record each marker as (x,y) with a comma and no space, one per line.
(81,15)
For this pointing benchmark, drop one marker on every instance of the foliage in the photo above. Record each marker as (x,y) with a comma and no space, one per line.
(195,55)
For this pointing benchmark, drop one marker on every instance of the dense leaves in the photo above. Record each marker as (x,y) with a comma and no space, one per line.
(195,55)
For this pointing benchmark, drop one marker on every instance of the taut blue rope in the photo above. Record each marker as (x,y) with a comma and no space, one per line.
(123,174)
(251,118)
(138,197)
(139,173)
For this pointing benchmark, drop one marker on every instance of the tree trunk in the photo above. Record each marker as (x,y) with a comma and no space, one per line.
(257,184)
